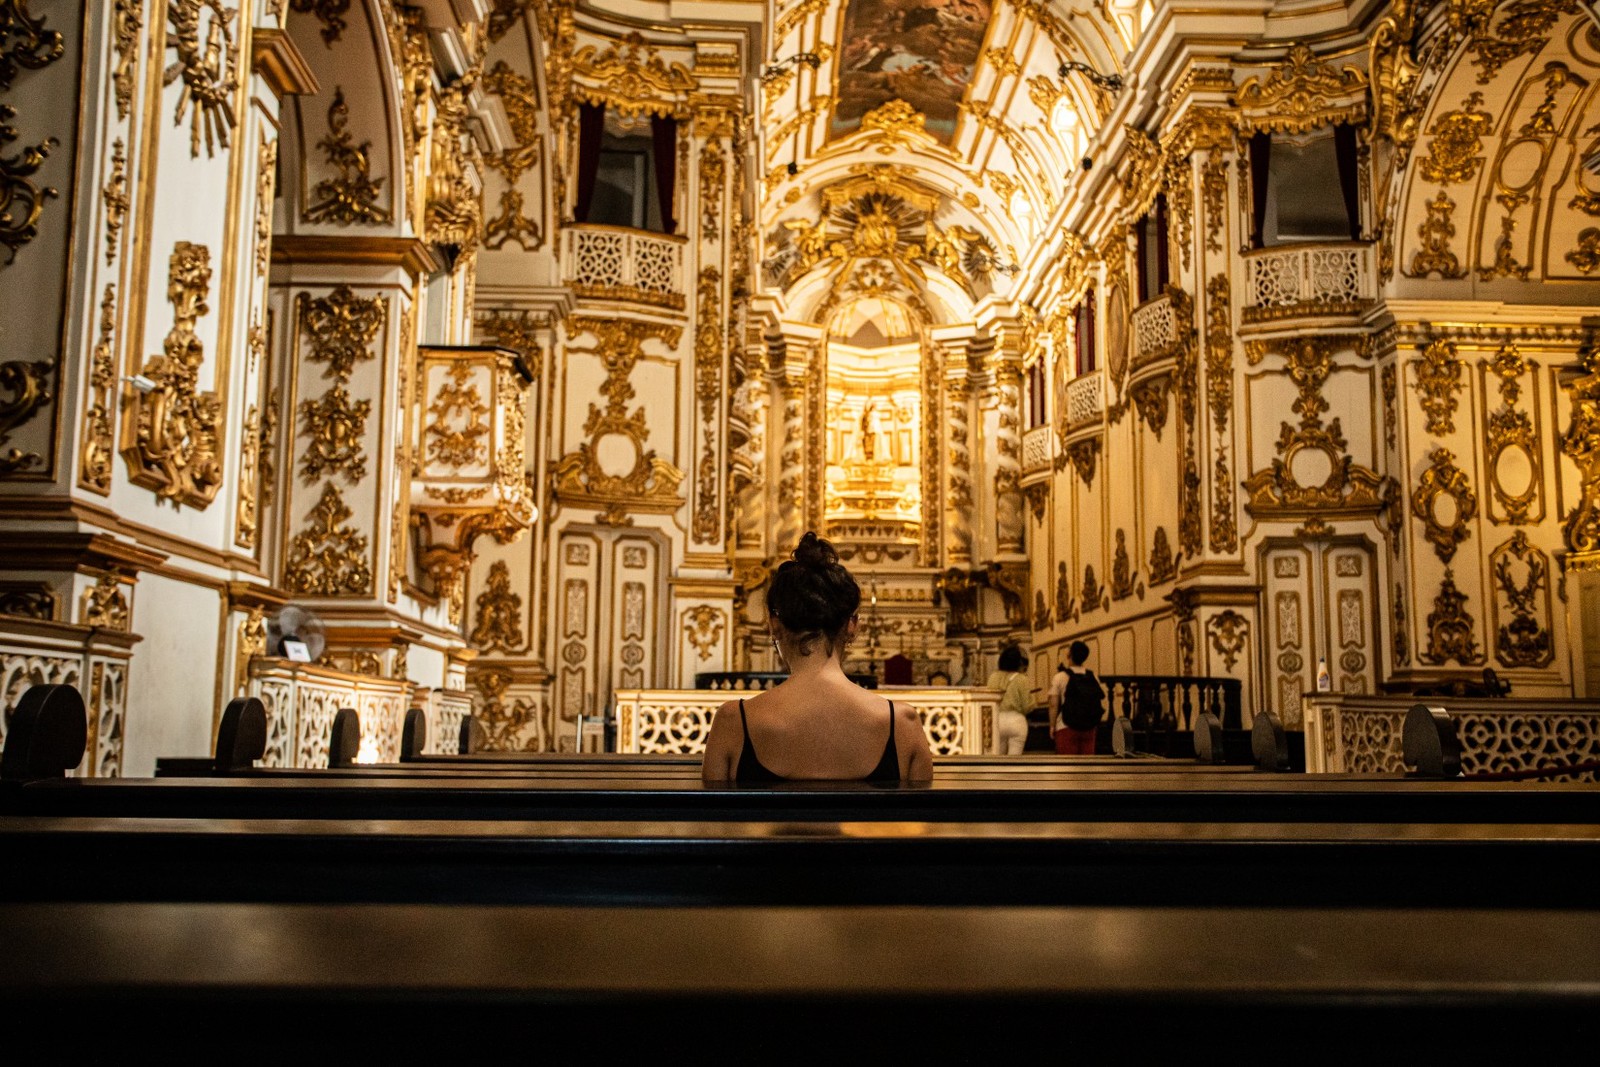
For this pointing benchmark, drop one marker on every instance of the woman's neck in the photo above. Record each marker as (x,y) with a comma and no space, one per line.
(815,666)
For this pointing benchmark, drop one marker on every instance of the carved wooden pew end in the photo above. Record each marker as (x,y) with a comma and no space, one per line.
(414,735)
(345,741)
(1208,745)
(1429,744)
(48,734)
(241,735)
(473,737)
(1269,742)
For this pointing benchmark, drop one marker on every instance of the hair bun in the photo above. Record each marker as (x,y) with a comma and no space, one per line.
(814,552)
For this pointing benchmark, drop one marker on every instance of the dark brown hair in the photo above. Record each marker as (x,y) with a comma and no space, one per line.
(813,595)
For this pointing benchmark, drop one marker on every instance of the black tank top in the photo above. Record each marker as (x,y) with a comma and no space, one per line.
(752,771)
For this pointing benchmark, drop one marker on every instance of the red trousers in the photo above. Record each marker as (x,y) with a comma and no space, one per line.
(1070,742)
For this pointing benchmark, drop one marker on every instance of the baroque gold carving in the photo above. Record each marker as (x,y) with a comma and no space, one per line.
(1163,564)
(516,330)
(328,558)
(499,625)
(175,426)
(458,434)
(32,47)
(652,483)
(1457,138)
(335,427)
(1082,455)
(246,523)
(1229,632)
(630,78)
(1150,401)
(105,605)
(1438,382)
(454,212)
(703,626)
(115,198)
(1581,443)
(352,196)
(94,471)
(28,382)
(127,19)
(708,389)
(1444,479)
(330,13)
(1436,231)
(1224,532)
(1511,428)
(1349,488)
(1090,595)
(202,36)
(1586,257)
(341,327)
(21,201)
(1303,93)
(1124,579)
(1521,574)
(1450,627)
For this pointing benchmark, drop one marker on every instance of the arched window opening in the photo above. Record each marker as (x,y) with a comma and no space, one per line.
(1150,236)
(1083,335)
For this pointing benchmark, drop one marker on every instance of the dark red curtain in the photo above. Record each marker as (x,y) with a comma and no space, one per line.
(1141,256)
(1260,169)
(664,139)
(591,130)
(1085,334)
(1163,242)
(1344,147)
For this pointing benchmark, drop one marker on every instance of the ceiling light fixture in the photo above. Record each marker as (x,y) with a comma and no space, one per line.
(1111,83)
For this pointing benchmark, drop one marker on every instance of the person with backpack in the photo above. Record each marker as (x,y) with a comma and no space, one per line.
(1080,706)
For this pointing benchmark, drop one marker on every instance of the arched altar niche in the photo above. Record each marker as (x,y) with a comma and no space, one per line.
(873,422)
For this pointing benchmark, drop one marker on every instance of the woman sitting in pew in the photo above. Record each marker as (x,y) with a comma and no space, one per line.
(816,725)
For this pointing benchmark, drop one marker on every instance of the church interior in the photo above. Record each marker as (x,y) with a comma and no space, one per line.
(446,380)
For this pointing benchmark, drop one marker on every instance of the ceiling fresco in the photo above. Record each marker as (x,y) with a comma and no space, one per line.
(921,51)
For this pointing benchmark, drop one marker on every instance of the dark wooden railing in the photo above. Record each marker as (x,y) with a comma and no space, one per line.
(757,680)
(1156,702)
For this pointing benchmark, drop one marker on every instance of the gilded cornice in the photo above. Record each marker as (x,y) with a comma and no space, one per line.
(1302,93)
(279,62)
(630,78)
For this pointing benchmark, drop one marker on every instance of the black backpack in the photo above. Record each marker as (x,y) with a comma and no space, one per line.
(1081,704)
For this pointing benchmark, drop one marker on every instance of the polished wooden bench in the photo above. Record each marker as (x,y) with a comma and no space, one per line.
(813,861)
(808,984)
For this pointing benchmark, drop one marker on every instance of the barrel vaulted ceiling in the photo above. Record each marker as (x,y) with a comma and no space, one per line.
(921,155)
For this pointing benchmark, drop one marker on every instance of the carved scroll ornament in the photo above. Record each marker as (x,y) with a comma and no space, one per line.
(176,427)
(1444,480)
(650,483)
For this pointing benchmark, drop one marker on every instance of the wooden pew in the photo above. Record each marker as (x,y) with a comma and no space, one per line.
(892,985)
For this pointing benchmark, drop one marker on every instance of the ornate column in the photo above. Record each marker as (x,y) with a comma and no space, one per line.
(1005,364)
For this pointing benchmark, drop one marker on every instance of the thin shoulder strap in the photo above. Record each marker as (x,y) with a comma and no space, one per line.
(744,723)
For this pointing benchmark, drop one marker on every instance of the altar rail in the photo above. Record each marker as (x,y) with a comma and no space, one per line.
(617,263)
(1318,279)
(958,722)
(1171,701)
(301,700)
(1361,734)
(94,659)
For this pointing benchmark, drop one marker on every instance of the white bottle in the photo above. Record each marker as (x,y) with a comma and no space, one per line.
(1324,679)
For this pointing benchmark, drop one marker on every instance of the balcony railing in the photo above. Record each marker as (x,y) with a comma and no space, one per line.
(1155,329)
(1320,279)
(1036,450)
(1086,399)
(615,263)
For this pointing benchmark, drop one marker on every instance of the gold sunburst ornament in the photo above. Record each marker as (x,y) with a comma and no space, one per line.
(202,37)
